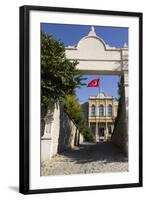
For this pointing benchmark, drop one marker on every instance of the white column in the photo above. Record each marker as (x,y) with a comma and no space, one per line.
(106,130)
(126,89)
(97,135)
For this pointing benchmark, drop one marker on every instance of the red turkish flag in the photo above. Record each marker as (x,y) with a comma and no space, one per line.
(94,83)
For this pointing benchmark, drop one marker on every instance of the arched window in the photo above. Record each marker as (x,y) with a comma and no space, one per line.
(110,110)
(93,110)
(101,110)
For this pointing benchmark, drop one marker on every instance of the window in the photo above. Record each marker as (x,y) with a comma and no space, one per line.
(101,110)
(110,130)
(110,110)
(93,110)
(93,128)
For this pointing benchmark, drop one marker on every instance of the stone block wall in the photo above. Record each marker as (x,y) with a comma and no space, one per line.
(69,134)
(49,140)
(60,133)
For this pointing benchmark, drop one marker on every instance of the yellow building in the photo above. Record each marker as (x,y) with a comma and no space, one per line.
(101,115)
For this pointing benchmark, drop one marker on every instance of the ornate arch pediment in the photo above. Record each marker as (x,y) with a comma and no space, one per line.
(94,54)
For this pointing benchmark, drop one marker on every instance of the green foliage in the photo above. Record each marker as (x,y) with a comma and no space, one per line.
(73,107)
(59,76)
(88,135)
(119,88)
(119,100)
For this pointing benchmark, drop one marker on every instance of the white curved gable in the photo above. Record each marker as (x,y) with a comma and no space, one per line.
(93,54)
(90,47)
(101,95)
(91,42)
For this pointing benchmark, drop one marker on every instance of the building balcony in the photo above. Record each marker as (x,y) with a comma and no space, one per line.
(103,116)
(100,118)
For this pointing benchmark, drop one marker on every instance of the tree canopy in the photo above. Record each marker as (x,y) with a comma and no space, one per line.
(73,108)
(59,76)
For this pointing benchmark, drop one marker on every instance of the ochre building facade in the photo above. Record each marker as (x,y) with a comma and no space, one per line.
(102,111)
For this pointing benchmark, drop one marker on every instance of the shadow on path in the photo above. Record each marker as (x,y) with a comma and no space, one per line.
(90,152)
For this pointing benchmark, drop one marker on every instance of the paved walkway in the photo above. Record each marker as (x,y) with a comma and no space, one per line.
(87,158)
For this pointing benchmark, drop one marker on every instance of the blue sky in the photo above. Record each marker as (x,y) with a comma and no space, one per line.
(71,34)
(108,85)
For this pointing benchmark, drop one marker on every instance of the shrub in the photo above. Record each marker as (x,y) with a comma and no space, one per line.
(88,135)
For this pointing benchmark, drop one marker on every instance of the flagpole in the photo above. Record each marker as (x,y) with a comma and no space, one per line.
(96,83)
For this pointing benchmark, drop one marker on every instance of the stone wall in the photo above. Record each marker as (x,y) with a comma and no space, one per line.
(49,140)
(69,133)
(60,133)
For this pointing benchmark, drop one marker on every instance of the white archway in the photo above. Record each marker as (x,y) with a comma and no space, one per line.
(94,56)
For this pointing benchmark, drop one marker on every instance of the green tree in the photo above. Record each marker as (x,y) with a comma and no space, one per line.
(119,99)
(59,76)
(74,109)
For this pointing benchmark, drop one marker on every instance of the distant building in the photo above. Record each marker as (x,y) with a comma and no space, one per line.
(102,111)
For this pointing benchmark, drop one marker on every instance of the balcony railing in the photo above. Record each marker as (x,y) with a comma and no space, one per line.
(101,116)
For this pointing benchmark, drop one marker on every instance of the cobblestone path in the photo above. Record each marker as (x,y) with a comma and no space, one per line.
(87,158)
